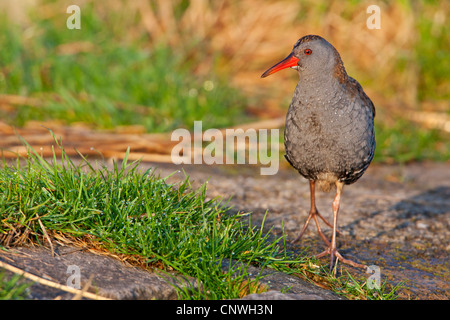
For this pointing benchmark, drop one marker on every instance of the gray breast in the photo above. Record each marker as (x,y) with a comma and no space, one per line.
(330,137)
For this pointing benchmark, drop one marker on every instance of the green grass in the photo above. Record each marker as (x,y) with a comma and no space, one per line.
(133,213)
(114,82)
(405,142)
(347,285)
(139,214)
(432,54)
(12,288)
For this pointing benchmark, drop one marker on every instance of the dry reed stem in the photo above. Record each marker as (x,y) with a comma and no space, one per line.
(251,35)
(85,289)
(107,144)
(78,293)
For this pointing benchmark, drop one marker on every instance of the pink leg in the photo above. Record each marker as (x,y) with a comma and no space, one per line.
(332,250)
(313,213)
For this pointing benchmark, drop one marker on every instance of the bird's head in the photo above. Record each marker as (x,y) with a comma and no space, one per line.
(312,55)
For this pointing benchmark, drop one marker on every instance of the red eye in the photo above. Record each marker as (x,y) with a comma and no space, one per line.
(308,52)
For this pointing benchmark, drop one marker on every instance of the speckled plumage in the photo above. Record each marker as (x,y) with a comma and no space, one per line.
(329,133)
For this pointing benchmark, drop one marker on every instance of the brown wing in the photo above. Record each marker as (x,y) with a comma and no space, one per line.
(356,88)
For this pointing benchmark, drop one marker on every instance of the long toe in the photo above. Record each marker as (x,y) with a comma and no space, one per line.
(349,262)
(335,255)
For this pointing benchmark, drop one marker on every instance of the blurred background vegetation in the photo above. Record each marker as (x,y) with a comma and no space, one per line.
(158,65)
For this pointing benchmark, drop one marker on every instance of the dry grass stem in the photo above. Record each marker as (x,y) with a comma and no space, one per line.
(44,231)
(78,293)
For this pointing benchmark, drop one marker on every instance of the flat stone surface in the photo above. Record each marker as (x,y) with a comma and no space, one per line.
(114,279)
(284,286)
(277,295)
(111,278)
